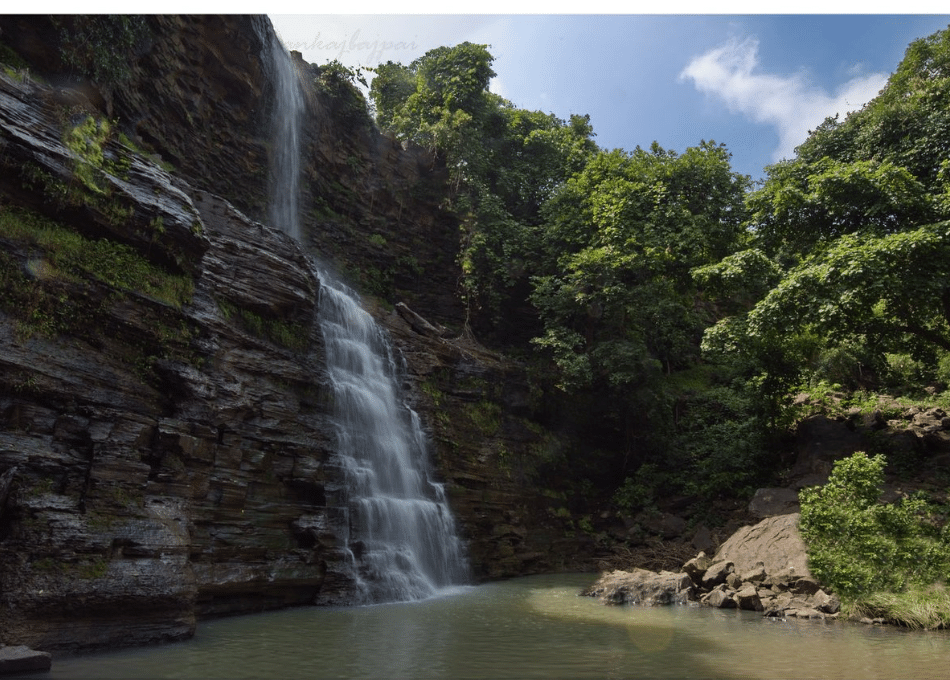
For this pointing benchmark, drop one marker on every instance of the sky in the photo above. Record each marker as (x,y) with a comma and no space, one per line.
(755,82)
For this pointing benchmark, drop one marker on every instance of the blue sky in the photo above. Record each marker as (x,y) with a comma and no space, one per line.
(757,83)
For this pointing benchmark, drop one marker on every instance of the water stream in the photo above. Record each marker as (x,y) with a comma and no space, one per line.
(533,627)
(287,122)
(402,536)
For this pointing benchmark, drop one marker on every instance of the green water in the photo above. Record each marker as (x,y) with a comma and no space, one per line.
(533,627)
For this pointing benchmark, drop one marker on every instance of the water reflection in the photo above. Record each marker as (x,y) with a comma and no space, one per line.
(526,628)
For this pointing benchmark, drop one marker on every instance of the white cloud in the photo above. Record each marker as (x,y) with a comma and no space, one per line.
(790,103)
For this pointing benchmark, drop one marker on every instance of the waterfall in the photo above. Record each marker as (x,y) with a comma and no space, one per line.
(402,535)
(406,542)
(285,140)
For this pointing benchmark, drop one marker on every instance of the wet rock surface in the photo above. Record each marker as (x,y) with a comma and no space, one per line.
(154,464)
(486,447)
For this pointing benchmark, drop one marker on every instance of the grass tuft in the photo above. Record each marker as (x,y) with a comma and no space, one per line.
(915,608)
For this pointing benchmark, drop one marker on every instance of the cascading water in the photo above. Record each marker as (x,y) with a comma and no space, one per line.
(285,152)
(402,534)
(406,541)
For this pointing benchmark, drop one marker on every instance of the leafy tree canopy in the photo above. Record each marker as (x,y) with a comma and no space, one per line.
(505,162)
(621,237)
(853,230)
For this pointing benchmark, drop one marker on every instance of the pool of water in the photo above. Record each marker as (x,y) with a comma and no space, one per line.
(533,627)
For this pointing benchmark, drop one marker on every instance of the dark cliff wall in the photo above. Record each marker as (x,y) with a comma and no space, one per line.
(162,460)
(165,455)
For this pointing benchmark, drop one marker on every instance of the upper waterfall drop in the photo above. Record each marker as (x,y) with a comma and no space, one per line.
(285,141)
(402,536)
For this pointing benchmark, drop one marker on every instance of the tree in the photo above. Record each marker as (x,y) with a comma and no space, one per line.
(440,101)
(854,227)
(621,238)
(623,317)
(392,86)
(504,162)
(805,205)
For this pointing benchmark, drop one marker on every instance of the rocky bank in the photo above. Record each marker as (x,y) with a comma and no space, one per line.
(761,568)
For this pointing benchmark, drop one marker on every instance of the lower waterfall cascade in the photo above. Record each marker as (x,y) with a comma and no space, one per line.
(404,538)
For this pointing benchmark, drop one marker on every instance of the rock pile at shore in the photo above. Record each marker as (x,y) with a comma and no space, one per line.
(761,568)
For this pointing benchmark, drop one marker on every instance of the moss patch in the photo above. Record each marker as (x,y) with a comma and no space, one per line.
(60,254)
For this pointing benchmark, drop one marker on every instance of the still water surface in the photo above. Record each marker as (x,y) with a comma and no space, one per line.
(533,627)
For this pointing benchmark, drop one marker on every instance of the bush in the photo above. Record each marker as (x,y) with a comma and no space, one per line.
(859,546)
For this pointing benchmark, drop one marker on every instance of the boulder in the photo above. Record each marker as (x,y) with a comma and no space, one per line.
(641,586)
(821,441)
(805,613)
(828,604)
(664,524)
(755,575)
(703,540)
(748,598)
(721,598)
(696,567)
(803,586)
(22,659)
(717,573)
(774,542)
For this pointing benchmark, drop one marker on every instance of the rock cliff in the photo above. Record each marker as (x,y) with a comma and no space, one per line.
(165,445)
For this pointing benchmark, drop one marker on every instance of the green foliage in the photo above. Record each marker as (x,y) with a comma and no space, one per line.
(102,46)
(503,162)
(859,546)
(293,336)
(392,86)
(62,253)
(486,415)
(849,254)
(96,150)
(739,280)
(92,569)
(640,491)
(439,100)
(720,444)
(86,141)
(13,64)
(616,299)
(46,565)
(338,84)
(917,607)
(890,291)
(804,205)
(433,392)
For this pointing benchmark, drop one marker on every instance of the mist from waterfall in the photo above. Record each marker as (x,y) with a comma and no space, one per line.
(402,535)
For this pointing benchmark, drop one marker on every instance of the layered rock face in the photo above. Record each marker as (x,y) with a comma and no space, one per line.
(166,456)
(162,463)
